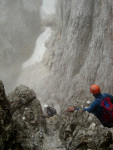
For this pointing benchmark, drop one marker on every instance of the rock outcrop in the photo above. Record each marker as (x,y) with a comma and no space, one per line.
(7,130)
(22,125)
(28,118)
(82,131)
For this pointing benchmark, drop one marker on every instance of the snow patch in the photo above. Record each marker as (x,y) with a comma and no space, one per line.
(39,48)
(47,9)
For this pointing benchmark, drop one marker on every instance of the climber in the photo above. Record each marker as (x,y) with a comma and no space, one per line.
(101,107)
(50,111)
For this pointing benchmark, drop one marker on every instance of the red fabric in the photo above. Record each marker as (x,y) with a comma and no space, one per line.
(107,110)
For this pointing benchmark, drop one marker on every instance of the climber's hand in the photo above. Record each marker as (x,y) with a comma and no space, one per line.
(47,116)
(70,109)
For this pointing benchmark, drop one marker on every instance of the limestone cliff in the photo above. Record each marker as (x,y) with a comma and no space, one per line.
(80,50)
(79,54)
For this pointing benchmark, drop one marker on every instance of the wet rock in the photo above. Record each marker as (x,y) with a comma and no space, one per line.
(28,117)
(77,131)
(7,130)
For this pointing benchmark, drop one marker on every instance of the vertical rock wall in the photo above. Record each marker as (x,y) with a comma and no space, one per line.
(82,52)
(79,53)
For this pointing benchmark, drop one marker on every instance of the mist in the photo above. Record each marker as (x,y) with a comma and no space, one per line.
(23,34)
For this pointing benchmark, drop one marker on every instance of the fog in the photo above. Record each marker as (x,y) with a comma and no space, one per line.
(24,29)
(39,48)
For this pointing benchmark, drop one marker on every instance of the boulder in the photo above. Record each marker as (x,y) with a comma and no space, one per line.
(27,115)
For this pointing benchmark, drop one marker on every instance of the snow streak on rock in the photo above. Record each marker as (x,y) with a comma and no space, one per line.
(39,48)
(47,13)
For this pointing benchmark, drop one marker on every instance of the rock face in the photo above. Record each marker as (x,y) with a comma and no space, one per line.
(80,52)
(7,130)
(82,131)
(22,125)
(28,118)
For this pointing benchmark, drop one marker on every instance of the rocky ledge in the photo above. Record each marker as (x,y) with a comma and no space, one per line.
(82,131)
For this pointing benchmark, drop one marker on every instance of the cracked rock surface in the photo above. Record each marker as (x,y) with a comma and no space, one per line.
(28,117)
(7,130)
(81,130)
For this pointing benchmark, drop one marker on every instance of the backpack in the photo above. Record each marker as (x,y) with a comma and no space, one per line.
(51,111)
(107,110)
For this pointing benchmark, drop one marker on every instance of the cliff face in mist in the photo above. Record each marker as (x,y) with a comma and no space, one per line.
(82,53)
(19,29)
(79,53)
